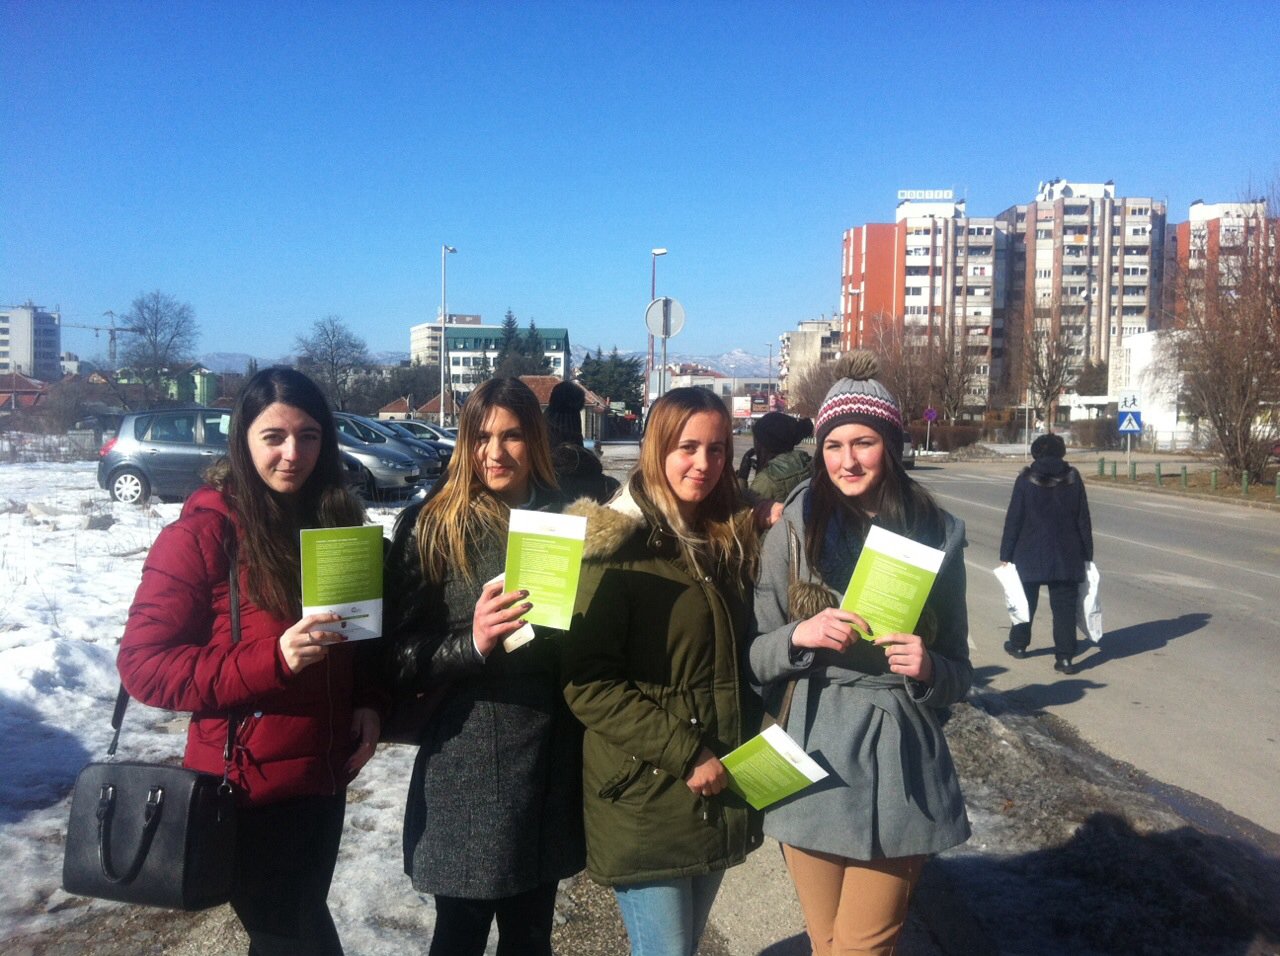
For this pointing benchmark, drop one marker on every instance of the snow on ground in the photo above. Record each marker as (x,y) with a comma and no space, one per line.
(65,589)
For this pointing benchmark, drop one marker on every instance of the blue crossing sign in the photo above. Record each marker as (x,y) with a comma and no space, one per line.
(1130,423)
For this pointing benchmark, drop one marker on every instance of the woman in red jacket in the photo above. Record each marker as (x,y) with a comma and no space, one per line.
(299,737)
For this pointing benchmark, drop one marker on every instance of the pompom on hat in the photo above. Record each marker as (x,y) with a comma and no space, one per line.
(858,398)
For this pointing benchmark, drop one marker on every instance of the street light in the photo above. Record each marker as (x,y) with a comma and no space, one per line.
(653,294)
(444,251)
(768,395)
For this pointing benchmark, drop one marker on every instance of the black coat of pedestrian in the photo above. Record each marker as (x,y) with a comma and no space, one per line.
(1047,531)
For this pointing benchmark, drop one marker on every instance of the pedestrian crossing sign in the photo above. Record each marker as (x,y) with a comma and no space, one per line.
(1130,423)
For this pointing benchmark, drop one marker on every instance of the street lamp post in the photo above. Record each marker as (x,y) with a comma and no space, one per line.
(444,251)
(653,294)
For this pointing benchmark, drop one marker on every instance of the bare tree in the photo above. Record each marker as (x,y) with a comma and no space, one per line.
(1227,343)
(810,387)
(1048,365)
(953,369)
(904,363)
(162,335)
(332,354)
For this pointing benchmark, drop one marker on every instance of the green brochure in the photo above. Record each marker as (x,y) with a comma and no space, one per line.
(770,766)
(342,572)
(891,582)
(544,557)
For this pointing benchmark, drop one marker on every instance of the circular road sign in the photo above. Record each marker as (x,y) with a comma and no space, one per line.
(664,317)
(930,414)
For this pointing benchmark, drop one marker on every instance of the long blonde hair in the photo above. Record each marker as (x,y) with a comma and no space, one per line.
(462,506)
(719,535)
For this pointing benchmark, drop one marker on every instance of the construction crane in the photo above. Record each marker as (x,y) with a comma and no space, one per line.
(112,330)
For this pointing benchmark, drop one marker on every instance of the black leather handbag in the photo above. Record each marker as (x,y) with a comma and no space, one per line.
(153,834)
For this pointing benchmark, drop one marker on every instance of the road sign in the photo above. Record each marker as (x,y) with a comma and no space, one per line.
(1130,423)
(930,414)
(664,317)
(1129,400)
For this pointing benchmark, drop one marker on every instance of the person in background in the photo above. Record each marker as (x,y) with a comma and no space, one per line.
(779,465)
(578,471)
(855,843)
(299,738)
(1048,536)
(494,814)
(653,671)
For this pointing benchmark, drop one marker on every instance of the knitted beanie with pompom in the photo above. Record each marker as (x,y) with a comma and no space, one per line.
(858,398)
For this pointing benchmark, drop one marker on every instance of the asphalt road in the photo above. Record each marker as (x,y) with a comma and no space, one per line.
(1183,686)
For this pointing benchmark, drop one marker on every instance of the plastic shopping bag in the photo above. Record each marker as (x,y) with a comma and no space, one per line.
(1089,607)
(1015,599)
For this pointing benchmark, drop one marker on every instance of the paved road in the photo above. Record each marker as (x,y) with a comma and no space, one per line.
(1184,684)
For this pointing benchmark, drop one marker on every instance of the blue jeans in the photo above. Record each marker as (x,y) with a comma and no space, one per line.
(667,917)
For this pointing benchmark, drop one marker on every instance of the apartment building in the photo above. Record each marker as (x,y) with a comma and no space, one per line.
(936,277)
(811,343)
(1212,247)
(1085,263)
(31,341)
(472,351)
(424,339)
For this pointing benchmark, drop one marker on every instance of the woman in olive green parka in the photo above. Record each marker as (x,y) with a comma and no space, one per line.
(653,671)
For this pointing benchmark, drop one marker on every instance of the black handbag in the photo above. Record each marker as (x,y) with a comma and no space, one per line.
(154,834)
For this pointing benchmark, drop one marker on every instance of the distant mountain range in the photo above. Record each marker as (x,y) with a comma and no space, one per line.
(735,363)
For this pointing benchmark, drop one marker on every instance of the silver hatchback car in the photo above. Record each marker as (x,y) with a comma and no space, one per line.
(163,452)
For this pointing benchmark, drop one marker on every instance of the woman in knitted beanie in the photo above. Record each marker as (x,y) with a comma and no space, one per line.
(855,843)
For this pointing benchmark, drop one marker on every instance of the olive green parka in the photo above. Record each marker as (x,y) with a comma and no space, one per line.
(653,670)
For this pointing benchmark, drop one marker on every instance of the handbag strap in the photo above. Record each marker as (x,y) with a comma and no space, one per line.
(233,597)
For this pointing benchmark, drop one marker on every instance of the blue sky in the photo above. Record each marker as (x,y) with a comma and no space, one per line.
(275,163)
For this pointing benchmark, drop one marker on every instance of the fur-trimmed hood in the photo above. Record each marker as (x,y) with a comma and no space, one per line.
(611,526)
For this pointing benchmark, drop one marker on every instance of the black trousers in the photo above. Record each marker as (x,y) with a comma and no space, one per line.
(524,924)
(1062,603)
(285,855)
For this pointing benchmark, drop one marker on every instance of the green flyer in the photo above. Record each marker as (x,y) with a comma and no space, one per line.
(891,582)
(342,572)
(769,767)
(544,557)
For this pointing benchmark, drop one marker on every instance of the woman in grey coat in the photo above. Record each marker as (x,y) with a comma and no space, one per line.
(855,843)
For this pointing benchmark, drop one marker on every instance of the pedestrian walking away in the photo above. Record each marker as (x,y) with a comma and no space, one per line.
(493,819)
(1048,537)
(304,728)
(653,670)
(855,843)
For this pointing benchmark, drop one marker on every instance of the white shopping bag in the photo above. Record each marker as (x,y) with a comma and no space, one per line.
(1015,599)
(1089,608)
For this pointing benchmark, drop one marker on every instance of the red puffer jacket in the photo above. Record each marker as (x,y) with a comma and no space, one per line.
(294,735)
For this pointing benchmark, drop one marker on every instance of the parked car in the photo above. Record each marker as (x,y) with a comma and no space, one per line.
(423,429)
(163,452)
(382,469)
(908,453)
(443,449)
(373,432)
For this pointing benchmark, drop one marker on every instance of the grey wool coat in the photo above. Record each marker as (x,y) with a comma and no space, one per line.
(494,804)
(653,669)
(893,789)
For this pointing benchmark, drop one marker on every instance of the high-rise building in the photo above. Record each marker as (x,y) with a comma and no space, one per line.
(1086,265)
(811,343)
(935,278)
(31,341)
(1212,245)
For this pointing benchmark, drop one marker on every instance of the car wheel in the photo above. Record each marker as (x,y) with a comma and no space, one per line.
(370,486)
(130,486)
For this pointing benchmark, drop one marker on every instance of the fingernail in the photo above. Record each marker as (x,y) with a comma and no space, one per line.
(524,594)
(528,606)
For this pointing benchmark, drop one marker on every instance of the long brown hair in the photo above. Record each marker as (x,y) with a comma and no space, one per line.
(462,505)
(268,521)
(714,535)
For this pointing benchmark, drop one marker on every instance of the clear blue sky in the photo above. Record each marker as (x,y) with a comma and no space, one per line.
(274,163)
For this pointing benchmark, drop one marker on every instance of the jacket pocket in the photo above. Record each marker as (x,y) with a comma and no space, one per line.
(632,769)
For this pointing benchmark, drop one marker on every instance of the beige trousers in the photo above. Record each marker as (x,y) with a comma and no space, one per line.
(852,907)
